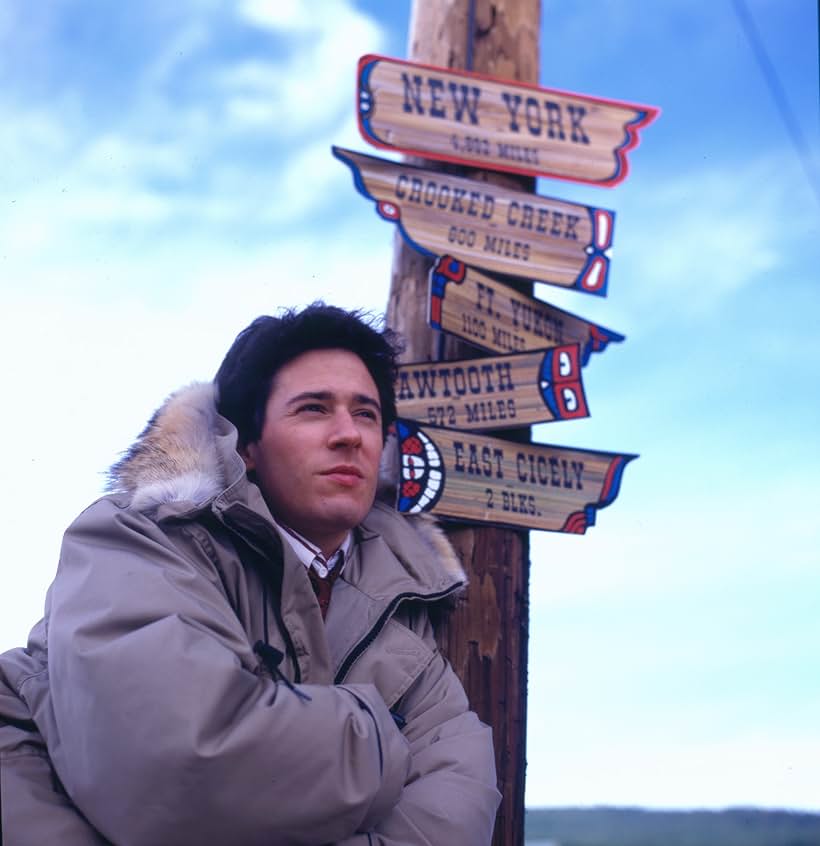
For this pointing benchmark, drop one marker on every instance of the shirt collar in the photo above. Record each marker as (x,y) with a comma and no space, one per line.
(310,555)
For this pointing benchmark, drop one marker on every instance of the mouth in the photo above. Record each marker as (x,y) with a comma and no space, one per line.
(344,474)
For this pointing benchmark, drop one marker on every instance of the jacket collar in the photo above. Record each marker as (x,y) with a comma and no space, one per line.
(185,460)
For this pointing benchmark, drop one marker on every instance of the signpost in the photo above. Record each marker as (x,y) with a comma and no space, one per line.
(474,477)
(472,119)
(494,393)
(494,316)
(508,130)
(498,229)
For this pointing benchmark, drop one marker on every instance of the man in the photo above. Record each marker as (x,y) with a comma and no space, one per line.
(236,647)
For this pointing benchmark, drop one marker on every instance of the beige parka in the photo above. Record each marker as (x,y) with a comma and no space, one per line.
(184,689)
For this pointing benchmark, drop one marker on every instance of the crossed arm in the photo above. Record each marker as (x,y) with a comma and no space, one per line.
(167,733)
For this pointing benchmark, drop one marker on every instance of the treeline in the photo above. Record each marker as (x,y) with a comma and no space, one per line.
(636,827)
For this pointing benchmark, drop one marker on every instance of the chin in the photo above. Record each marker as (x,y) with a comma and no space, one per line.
(345,516)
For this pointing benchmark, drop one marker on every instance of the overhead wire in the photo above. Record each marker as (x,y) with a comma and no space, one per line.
(778,93)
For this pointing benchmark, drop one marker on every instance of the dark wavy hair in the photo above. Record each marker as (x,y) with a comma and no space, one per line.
(245,377)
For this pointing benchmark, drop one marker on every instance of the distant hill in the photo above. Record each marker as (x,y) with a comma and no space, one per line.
(636,827)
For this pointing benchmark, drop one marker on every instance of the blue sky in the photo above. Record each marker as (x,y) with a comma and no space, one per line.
(166,176)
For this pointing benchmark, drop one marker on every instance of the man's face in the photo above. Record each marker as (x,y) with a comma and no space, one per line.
(317,458)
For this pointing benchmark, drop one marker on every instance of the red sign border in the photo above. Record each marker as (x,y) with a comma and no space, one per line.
(632,129)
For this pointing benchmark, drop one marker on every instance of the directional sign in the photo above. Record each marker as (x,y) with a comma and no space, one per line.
(494,393)
(474,477)
(500,230)
(496,124)
(485,312)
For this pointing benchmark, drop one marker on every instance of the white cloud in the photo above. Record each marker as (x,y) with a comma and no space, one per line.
(695,241)
(122,157)
(35,135)
(86,371)
(314,82)
(315,178)
(690,245)
(187,161)
(102,184)
(286,16)
(182,46)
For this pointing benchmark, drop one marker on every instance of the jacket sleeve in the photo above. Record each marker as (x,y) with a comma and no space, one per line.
(33,806)
(167,735)
(451,795)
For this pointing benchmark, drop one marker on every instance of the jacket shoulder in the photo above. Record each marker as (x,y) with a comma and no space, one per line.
(417,541)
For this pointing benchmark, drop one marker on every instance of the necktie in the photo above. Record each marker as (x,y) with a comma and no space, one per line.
(323,586)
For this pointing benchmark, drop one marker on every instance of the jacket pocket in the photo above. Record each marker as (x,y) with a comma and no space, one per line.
(392,662)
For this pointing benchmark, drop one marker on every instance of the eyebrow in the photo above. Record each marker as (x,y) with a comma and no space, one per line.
(361,399)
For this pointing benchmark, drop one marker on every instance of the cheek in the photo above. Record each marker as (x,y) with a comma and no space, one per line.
(375,453)
(269,462)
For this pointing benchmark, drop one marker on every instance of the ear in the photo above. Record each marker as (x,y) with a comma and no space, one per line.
(247,453)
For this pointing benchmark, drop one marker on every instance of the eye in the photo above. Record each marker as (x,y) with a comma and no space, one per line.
(310,408)
(368,413)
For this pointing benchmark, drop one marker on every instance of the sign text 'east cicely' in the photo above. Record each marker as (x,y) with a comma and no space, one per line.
(473,477)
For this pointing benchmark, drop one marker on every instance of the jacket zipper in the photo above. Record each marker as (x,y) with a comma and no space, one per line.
(365,641)
(379,625)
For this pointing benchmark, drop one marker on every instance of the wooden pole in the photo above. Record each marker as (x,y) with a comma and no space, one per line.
(486,637)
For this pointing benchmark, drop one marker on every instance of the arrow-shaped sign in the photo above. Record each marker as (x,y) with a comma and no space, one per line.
(474,477)
(496,124)
(487,313)
(494,393)
(494,228)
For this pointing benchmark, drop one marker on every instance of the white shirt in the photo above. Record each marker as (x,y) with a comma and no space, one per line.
(310,554)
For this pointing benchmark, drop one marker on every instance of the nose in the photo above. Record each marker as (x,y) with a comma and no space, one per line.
(344,431)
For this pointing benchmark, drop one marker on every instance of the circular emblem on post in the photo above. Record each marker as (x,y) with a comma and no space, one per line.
(421,480)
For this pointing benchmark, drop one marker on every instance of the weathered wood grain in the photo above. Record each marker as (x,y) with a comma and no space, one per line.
(496,229)
(485,638)
(478,120)
(470,476)
(494,393)
(497,317)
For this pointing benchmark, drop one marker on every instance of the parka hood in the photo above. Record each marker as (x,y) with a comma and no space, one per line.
(176,457)
(187,453)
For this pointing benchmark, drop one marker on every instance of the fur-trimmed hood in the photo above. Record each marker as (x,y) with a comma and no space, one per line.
(187,453)
(176,457)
